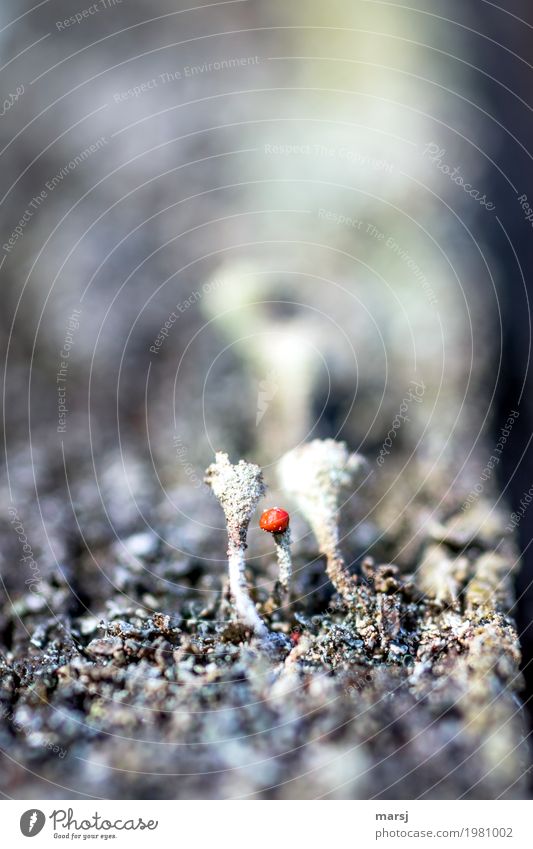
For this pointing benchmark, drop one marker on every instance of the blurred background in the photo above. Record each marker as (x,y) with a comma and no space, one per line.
(243,225)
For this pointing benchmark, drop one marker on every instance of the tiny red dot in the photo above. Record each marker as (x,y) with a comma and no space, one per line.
(274,520)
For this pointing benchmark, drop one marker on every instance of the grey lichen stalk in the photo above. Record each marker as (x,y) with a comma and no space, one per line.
(316,475)
(238,488)
(283,550)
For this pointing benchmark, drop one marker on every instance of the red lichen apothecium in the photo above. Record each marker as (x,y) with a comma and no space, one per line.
(275,520)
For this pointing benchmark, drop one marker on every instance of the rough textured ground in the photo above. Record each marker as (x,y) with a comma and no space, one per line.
(412,692)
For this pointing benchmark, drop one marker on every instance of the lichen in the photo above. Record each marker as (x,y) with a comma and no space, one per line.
(316,475)
(238,488)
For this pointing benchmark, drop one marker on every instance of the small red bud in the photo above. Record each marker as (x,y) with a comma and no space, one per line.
(274,520)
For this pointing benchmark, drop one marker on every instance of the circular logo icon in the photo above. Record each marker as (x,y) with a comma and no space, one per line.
(32,822)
